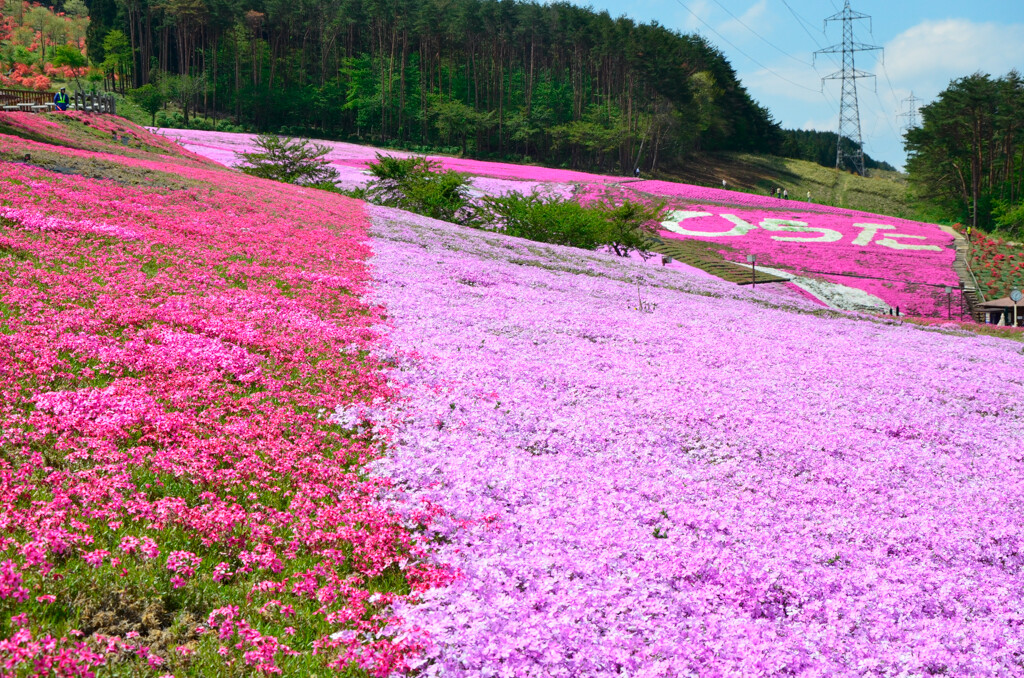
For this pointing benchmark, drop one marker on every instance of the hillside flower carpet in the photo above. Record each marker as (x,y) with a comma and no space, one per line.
(890,262)
(256,429)
(719,487)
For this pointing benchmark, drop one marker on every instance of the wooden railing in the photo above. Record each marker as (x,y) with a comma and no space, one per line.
(13,97)
(28,100)
(94,103)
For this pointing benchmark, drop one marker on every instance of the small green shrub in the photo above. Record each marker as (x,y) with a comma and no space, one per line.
(418,185)
(149,98)
(228,126)
(630,225)
(546,219)
(292,161)
(623,228)
(204,124)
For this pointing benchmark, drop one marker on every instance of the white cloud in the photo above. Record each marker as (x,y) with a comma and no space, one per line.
(798,83)
(753,19)
(820,124)
(925,57)
(755,12)
(702,9)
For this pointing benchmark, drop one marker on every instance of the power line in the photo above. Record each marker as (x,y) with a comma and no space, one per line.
(729,42)
(887,120)
(803,23)
(885,72)
(886,110)
(832,103)
(881,62)
(760,37)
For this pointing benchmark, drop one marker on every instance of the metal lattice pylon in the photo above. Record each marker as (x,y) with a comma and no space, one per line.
(911,114)
(849,112)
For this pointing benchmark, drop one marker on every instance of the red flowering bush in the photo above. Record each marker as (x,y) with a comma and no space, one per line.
(1000,261)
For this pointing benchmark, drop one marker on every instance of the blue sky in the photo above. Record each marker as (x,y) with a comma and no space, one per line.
(927,43)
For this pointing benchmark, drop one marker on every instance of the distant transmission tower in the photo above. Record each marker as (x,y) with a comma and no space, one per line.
(911,114)
(849,113)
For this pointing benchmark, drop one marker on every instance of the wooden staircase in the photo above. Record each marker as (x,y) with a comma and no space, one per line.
(972,305)
(705,256)
(972,296)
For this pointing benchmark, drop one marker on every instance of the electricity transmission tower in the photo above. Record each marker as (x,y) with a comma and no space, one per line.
(849,113)
(911,114)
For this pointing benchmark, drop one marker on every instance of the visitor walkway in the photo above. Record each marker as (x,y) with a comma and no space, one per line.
(706,257)
(972,297)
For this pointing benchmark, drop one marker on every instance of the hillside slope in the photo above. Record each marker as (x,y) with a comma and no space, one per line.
(713,482)
(173,496)
(848,259)
(881,192)
(252,427)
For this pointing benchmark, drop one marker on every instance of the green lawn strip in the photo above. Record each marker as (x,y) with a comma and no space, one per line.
(706,257)
(881,192)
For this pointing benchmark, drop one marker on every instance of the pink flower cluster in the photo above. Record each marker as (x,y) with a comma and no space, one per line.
(237,635)
(711,484)
(10,582)
(169,355)
(46,657)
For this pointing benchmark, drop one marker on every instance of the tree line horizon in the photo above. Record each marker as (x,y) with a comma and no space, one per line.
(500,79)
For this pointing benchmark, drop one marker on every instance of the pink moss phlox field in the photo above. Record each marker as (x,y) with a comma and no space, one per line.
(222,146)
(95,132)
(715,488)
(902,262)
(913,280)
(170,360)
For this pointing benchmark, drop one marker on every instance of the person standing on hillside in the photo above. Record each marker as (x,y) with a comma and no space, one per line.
(785,194)
(968,233)
(60,100)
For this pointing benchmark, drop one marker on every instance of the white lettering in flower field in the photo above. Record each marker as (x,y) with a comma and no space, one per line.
(868,232)
(797,231)
(824,234)
(896,245)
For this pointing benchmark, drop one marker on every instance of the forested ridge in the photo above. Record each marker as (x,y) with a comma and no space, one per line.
(820,147)
(554,83)
(968,154)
